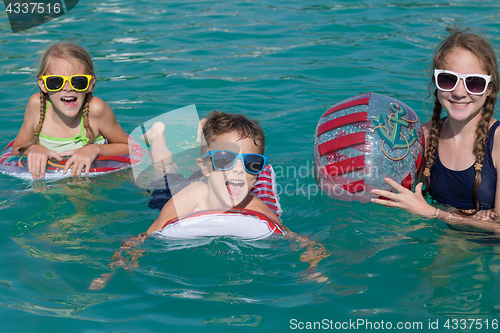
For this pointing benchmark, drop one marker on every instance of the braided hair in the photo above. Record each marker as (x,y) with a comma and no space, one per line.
(68,51)
(478,46)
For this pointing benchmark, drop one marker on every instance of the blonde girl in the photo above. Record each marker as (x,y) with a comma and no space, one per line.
(64,118)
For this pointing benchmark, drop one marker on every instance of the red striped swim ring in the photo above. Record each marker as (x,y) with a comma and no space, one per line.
(17,166)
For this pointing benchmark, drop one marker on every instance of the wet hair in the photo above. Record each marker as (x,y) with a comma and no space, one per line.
(70,52)
(483,51)
(219,123)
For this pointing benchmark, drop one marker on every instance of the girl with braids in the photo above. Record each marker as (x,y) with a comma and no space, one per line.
(64,119)
(463,148)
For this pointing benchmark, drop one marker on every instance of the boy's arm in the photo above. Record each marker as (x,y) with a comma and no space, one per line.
(260,206)
(167,213)
(180,204)
(315,251)
(119,261)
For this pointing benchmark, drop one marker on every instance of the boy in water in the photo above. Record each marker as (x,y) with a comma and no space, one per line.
(230,162)
(231,138)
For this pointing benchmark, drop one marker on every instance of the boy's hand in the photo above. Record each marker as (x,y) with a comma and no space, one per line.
(38,156)
(312,275)
(315,252)
(99,283)
(128,263)
(81,158)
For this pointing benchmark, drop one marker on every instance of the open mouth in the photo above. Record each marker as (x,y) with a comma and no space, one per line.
(69,101)
(235,187)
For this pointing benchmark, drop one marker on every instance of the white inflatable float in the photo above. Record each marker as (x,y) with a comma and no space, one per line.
(235,222)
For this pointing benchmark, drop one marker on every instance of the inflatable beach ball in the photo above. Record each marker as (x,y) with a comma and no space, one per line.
(360,141)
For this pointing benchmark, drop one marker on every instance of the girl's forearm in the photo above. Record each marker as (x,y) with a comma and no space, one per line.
(113,149)
(486,220)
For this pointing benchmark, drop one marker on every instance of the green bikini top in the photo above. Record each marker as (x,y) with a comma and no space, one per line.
(60,145)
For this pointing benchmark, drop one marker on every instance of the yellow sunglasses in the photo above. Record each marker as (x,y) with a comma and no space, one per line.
(56,82)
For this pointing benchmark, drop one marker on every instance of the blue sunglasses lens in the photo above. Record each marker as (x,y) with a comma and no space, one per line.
(225,160)
(253,163)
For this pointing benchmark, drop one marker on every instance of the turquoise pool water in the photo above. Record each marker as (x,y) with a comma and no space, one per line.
(283,63)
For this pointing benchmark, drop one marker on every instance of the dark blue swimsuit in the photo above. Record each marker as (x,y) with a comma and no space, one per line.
(455,187)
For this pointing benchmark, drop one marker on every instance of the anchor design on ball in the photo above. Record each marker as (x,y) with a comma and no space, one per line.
(395,139)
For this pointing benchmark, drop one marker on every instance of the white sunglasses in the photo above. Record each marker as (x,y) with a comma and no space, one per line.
(475,84)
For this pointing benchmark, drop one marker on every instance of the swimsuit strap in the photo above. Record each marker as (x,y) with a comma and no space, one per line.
(491,136)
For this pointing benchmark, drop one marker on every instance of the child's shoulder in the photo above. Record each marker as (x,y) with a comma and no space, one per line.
(33,107)
(34,100)
(98,107)
(193,191)
(197,187)
(190,199)
(260,206)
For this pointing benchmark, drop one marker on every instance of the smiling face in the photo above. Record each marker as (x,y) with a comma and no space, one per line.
(459,104)
(228,188)
(66,101)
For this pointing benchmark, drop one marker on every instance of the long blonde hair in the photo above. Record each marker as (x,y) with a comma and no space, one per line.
(68,51)
(480,47)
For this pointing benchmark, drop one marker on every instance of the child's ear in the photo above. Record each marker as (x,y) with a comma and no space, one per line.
(203,167)
(41,84)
